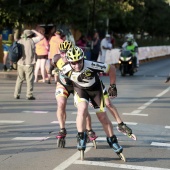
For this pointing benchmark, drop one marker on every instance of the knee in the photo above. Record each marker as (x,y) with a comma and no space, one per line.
(103,118)
(61,105)
(108,104)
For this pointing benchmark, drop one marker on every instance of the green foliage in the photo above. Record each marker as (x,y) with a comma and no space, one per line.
(136,16)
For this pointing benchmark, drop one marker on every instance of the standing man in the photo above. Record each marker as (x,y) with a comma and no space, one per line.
(105,45)
(7,40)
(26,63)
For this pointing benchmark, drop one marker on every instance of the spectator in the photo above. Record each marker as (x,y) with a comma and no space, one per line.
(27,62)
(42,48)
(54,49)
(105,45)
(95,47)
(81,42)
(7,39)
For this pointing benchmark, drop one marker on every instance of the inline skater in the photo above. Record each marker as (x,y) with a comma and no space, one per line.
(61,111)
(64,88)
(88,86)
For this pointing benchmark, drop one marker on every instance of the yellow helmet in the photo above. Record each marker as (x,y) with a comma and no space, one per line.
(74,54)
(65,46)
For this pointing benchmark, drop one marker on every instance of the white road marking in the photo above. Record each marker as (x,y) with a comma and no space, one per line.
(160,144)
(167,127)
(30,138)
(36,112)
(67,122)
(124,166)
(11,121)
(72,159)
(135,114)
(74,122)
(129,123)
(91,113)
(145,105)
(164,92)
(136,111)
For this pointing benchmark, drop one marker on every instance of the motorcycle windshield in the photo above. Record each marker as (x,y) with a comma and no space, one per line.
(126,53)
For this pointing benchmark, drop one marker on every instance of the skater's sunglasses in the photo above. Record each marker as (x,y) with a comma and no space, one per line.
(76,62)
(62,52)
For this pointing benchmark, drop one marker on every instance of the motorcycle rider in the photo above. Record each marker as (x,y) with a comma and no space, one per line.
(132,45)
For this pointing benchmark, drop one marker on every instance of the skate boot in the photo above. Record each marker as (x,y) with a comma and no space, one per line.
(81,141)
(61,138)
(126,130)
(92,137)
(113,143)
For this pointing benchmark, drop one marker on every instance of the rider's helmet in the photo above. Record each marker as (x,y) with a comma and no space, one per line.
(129,39)
(74,54)
(65,46)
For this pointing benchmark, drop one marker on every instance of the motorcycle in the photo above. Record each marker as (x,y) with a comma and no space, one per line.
(127,62)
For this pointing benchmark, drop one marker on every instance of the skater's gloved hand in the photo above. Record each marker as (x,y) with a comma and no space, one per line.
(112,91)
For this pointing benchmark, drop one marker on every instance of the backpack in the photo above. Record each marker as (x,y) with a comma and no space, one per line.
(15,52)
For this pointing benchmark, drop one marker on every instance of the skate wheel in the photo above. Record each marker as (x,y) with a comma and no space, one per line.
(121,156)
(87,140)
(62,145)
(82,154)
(133,137)
(94,144)
(58,142)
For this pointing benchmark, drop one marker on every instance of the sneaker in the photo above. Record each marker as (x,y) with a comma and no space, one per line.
(5,68)
(10,68)
(30,98)
(48,82)
(17,97)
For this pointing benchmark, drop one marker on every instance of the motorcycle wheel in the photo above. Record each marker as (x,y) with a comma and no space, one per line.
(131,73)
(122,71)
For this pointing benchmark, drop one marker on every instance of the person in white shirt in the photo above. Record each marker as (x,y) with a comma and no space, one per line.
(104,46)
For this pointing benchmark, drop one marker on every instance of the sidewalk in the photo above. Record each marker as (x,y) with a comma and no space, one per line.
(7,74)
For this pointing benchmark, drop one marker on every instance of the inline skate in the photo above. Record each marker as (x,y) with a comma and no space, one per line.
(61,138)
(126,130)
(91,137)
(113,143)
(81,143)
